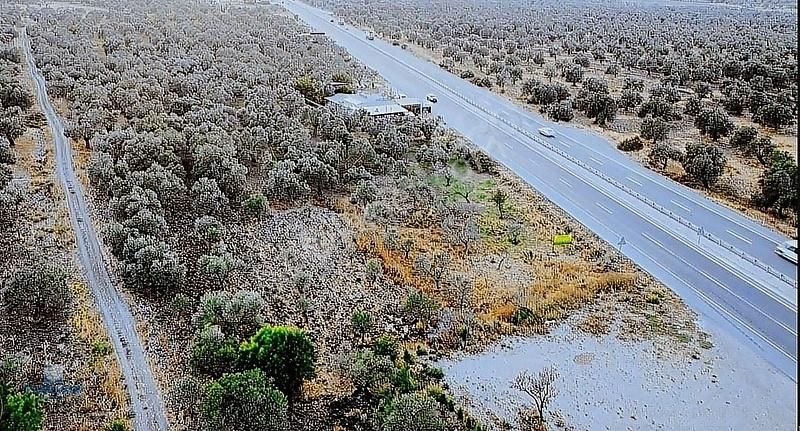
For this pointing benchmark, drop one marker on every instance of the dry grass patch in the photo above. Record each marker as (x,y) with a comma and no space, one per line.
(105,388)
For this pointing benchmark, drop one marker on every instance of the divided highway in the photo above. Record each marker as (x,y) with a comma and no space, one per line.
(146,406)
(722,263)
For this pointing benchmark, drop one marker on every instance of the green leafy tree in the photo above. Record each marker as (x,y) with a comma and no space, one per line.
(244,401)
(309,88)
(370,372)
(661,153)
(238,314)
(117,425)
(760,148)
(499,197)
(702,89)
(705,163)
(573,74)
(736,98)
(20,411)
(714,123)
(779,184)
(654,129)
(658,107)
(284,353)
(256,204)
(561,111)
(11,125)
(361,321)
(693,106)
(630,99)
(420,307)
(213,353)
(386,345)
(6,155)
(775,115)
(631,144)
(742,137)
(150,264)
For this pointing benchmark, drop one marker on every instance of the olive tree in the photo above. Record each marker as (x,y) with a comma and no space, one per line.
(704,162)
(38,292)
(655,129)
(779,184)
(244,401)
(713,123)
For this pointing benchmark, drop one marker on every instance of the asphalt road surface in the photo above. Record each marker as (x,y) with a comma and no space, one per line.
(615,197)
(146,406)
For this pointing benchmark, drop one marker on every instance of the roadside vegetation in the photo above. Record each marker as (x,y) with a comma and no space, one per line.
(709,102)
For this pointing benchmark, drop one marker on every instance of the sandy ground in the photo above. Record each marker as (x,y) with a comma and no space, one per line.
(608,384)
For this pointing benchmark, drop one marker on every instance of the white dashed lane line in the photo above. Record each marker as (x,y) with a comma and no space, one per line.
(633,181)
(681,206)
(604,208)
(734,234)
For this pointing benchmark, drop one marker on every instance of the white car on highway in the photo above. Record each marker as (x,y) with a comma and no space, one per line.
(432,98)
(788,251)
(546,131)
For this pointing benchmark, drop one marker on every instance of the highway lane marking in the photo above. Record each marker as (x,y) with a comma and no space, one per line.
(634,181)
(565,182)
(564,144)
(596,161)
(715,281)
(604,208)
(739,236)
(533,161)
(681,206)
(719,307)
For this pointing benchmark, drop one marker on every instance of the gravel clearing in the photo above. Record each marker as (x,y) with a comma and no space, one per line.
(608,384)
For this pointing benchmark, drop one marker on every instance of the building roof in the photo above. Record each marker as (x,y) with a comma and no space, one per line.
(373,104)
(408,101)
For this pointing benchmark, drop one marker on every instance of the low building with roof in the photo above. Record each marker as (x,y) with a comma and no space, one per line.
(414,105)
(372,104)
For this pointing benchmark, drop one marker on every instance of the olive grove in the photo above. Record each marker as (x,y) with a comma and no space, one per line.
(672,73)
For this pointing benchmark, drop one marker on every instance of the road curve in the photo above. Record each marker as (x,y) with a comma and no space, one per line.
(614,197)
(146,406)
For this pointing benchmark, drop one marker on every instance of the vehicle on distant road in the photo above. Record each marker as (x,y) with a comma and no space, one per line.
(548,132)
(331,19)
(341,22)
(788,251)
(431,98)
(370,36)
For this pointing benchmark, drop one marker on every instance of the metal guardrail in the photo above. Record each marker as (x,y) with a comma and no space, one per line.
(697,229)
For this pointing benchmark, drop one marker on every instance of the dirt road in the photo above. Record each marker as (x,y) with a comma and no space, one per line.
(146,406)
